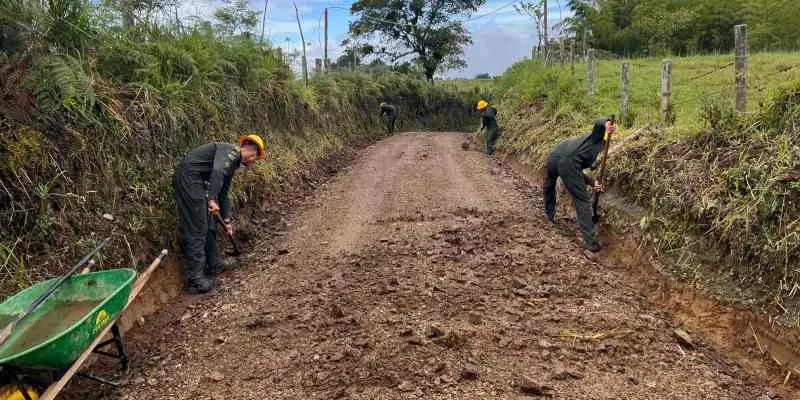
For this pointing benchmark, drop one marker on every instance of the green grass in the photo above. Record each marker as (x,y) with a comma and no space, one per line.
(478,88)
(696,81)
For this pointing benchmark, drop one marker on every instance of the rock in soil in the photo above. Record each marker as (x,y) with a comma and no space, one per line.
(337,312)
(683,338)
(185,317)
(415,340)
(435,332)
(406,387)
(564,375)
(531,388)
(216,376)
(470,372)
(474,318)
(518,283)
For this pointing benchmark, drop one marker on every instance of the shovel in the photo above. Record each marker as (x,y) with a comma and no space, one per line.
(235,251)
(6,332)
(595,214)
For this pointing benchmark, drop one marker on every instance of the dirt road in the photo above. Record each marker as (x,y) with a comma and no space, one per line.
(422,271)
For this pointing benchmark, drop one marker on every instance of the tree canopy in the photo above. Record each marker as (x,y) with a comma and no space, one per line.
(431,32)
(639,27)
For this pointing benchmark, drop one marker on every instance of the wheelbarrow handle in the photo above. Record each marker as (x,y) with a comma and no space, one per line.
(144,277)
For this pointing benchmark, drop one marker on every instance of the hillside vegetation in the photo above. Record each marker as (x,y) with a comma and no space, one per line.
(719,187)
(95,113)
(648,27)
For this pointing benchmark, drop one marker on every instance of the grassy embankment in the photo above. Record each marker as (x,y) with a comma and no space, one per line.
(711,182)
(93,119)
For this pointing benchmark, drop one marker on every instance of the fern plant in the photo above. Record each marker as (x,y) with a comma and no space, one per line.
(60,83)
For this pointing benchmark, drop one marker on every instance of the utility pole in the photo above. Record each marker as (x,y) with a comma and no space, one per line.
(303,39)
(325,61)
(263,23)
(546,44)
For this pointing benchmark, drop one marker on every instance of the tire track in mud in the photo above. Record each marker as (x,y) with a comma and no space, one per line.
(419,260)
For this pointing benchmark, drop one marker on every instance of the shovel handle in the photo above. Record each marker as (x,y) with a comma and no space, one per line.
(233,241)
(595,215)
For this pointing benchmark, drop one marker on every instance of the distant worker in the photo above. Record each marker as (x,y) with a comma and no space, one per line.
(201,183)
(389,112)
(568,160)
(489,125)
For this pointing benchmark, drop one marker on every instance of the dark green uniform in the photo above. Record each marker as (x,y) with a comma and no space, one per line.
(568,160)
(489,122)
(204,174)
(390,113)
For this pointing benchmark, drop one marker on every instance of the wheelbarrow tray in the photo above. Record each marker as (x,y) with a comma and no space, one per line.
(61,328)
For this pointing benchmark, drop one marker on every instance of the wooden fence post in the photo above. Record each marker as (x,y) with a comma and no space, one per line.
(624,94)
(572,57)
(317,66)
(740,35)
(666,88)
(590,69)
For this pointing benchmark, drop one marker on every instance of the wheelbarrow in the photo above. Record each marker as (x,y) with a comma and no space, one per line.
(59,330)
(58,337)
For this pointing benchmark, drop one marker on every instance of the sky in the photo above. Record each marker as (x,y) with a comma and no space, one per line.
(500,35)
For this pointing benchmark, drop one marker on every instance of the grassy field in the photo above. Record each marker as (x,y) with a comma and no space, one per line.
(696,81)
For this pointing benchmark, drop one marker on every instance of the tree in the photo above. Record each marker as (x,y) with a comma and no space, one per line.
(347,61)
(484,75)
(535,10)
(235,16)
(427,30)
(133,11)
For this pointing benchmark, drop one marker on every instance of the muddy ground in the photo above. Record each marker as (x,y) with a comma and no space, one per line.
(426,271)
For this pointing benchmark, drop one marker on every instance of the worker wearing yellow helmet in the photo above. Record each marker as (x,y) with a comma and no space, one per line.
(489,125)
(202,182)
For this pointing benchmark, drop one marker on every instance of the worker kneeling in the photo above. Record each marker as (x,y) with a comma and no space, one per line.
(202,182)
(568,160)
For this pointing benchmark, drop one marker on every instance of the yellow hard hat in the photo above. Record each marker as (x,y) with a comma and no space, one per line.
(253,138)
(12,392)
(482,104)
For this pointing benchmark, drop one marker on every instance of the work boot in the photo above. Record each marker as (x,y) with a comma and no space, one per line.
(551,218)
(594,247)
(222,265)
(200,285)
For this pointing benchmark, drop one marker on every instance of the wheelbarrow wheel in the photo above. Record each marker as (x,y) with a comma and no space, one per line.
(14,392)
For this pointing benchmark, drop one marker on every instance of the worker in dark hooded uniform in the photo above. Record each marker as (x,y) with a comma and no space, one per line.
(568,160)
(389,112)
(202,182)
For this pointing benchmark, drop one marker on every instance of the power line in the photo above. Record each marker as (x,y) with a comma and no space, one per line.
(476,17)
(509,4)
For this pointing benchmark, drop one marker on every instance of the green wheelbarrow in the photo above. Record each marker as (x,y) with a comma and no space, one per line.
(51,345)
(60,329)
